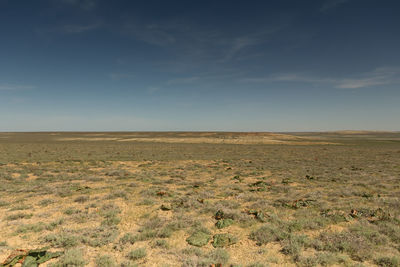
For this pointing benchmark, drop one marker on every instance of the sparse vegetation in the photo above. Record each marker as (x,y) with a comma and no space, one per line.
(202,204)
(137,254)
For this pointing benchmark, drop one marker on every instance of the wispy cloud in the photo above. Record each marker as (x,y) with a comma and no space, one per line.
(379,76)
(237,44)
(15,87)
(288,77)
(329,4)
(196,43)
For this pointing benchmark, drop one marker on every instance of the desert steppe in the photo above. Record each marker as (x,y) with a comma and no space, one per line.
(202,198)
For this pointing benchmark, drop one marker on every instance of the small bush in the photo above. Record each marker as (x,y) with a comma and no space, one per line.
(137,254)
(81,199)
(21,207)
(104,261)
(268,233)
(72,257)
(70,211)
(161,243)
(357,246)
(219,256)
(64,240)
(293,245)
(46,202)
(17,216)
(387,261)
(99,236)
(117,194)
(127,238)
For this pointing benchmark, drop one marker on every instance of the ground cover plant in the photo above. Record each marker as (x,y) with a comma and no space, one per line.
(197,199)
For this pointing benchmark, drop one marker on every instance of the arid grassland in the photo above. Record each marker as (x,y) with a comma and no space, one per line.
(201,199)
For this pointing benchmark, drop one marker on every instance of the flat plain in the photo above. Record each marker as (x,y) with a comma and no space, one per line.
(202,198)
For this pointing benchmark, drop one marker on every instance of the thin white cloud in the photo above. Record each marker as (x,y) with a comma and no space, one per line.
(288,77)
(379,76)
(233,46)
(239,44)
(198,44)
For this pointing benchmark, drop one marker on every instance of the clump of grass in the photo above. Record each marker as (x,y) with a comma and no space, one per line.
(127,238)
(17,216)
(325,259)
(65,240)
(100,236)
(160,243)
(46,202)
(38,227)
(21,207)
(195,257)
(104,261)
(156,227)
(357,245)
(257,264)
(129,264)
(51,226)
(72,257)
(81,199)
(219,256)
(117,194)
(118,173)
(268,233)
(137,254)
(110,213)
(81,217)
(146,202)
(70,211)
(386,261)
(293,245)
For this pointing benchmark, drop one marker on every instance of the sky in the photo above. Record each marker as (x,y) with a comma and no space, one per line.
(277,65)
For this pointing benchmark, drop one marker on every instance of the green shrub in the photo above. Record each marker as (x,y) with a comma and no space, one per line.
(64,240)
(46,202)
(137,254)
(387,261)
(17,216)
(104,261)
(72,257)
(81,199)
(293,245)
(268,233)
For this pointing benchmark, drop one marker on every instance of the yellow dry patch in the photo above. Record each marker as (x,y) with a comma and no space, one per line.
(206,138)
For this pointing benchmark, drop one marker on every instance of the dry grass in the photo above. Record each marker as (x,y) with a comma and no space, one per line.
(108,203)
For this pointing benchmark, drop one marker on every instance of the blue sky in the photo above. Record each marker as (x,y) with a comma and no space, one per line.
(96,65)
